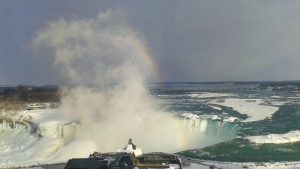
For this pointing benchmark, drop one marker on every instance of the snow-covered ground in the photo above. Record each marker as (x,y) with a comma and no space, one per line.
(44,115)
(21,146)
(218,165)
(292,136)
(253,108)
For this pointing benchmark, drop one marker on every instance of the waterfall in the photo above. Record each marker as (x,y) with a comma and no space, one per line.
(204,132)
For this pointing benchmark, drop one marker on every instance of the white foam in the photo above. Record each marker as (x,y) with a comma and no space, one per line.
(253,108)
(231,119)
(278,103)
(215,117)
(210,95)
(276,97)
(190,116)
(292,136)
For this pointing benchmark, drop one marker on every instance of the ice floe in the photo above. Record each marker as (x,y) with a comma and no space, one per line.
(292,136)
(215,107)
(210,95)
(254,108)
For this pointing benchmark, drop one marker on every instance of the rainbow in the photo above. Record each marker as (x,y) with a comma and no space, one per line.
(180,134)
(150,61)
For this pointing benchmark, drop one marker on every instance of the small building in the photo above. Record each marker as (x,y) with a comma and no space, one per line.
(36,106)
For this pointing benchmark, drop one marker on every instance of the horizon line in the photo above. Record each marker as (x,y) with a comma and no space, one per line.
(166,82)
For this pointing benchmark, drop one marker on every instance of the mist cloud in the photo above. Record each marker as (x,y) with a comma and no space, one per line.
(103,58)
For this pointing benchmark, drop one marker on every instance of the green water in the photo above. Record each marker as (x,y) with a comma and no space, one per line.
(186,98)
(240,150)
(286,119)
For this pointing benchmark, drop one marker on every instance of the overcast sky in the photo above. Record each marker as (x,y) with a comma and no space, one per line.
(191,40)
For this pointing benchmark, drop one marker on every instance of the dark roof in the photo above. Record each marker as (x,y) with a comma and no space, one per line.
(159,156)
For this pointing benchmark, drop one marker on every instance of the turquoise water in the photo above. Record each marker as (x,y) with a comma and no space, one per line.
(182,98)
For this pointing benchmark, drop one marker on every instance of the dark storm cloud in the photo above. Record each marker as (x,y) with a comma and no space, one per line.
(195,40)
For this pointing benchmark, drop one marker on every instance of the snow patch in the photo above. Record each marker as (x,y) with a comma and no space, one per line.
(129,148)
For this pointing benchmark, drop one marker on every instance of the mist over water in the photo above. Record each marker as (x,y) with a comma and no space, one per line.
(106,60)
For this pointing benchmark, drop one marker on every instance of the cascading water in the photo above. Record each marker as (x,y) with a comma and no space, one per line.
(205,132)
